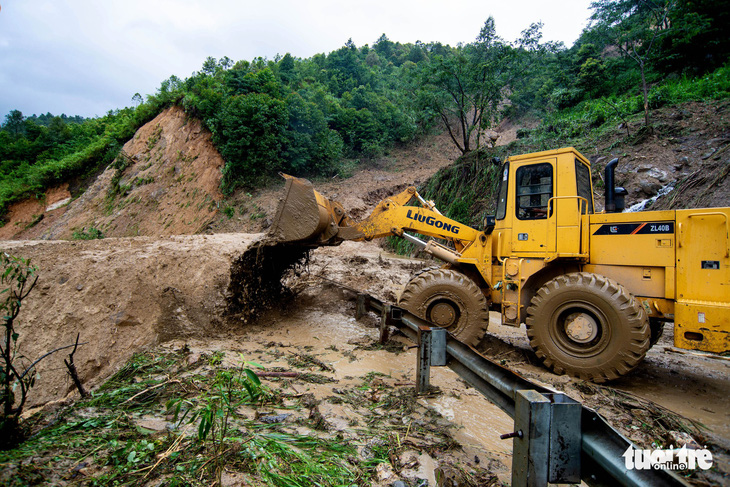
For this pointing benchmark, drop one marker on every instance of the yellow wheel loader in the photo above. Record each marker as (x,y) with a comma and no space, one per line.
(594,289)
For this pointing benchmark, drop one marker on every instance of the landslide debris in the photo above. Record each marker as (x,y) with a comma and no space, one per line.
(260,277)
(122,296)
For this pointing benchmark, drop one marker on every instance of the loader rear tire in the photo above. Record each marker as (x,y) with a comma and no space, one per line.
(448,299)
(588,326)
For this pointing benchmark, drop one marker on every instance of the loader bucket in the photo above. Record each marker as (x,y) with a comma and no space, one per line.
(305,216)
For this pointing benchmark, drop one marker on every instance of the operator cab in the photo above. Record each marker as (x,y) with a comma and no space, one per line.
(542,201)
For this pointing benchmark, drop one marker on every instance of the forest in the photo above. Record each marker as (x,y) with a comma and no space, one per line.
(326,114)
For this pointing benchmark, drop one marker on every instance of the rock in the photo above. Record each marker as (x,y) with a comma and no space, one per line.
(492,136)
(153,424)
(657,173)
(649,187)
(681,162)
(273,418)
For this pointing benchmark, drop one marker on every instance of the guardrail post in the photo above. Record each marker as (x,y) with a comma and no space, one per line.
(565,439)
(547,439)
(431,352)
(423,368)
(361,307)
(390,316)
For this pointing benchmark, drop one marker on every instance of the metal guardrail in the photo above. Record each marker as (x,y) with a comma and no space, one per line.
(601,460)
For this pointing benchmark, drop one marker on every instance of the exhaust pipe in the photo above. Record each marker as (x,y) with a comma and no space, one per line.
(615,197)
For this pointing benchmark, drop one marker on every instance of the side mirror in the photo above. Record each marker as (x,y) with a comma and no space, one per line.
(489,223)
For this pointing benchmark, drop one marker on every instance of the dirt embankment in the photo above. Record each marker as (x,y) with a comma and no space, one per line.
(682,163)
(121,296)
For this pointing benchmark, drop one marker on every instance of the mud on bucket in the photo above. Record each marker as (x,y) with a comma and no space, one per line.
(304,215)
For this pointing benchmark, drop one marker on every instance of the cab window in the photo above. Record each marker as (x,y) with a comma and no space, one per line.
(583,183)
(534,190)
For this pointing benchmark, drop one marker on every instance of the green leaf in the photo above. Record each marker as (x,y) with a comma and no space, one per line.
(252,377)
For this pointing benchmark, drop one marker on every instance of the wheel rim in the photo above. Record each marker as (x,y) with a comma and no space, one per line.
(580,329)
(444,313)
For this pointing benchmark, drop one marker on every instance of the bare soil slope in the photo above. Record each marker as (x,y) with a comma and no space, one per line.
(166,182)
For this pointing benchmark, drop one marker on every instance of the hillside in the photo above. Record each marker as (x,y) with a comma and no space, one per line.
(166,181)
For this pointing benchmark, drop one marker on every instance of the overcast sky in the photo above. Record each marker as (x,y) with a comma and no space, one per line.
(86,57)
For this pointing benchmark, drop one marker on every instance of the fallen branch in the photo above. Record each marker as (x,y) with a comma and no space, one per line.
(30,367)
(72,369)
(149,389)
(277,374)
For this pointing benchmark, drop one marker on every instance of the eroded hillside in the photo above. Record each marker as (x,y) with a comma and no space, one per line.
(165,182)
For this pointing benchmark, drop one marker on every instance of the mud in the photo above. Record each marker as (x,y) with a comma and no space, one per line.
(260,277)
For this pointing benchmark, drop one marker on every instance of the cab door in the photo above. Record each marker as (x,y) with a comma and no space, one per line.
(534,186)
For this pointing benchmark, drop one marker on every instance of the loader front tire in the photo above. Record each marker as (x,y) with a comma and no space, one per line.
(588,326)
(448,299)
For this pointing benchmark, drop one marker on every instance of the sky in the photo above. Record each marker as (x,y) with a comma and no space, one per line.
(86,57)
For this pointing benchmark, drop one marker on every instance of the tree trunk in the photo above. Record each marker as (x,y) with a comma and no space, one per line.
(645,92)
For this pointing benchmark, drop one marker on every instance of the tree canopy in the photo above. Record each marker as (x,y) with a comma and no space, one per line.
(308,116)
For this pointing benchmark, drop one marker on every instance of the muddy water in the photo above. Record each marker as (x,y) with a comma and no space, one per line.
(694,386)
(483,422)
(478,422)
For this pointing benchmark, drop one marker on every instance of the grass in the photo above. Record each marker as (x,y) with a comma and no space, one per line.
(92,233)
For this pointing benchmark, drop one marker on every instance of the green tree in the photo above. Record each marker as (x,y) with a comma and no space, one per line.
(14,122)
(286,69)
(250,133)
(633,26)
(465,88)
(533,71)
(696,25)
